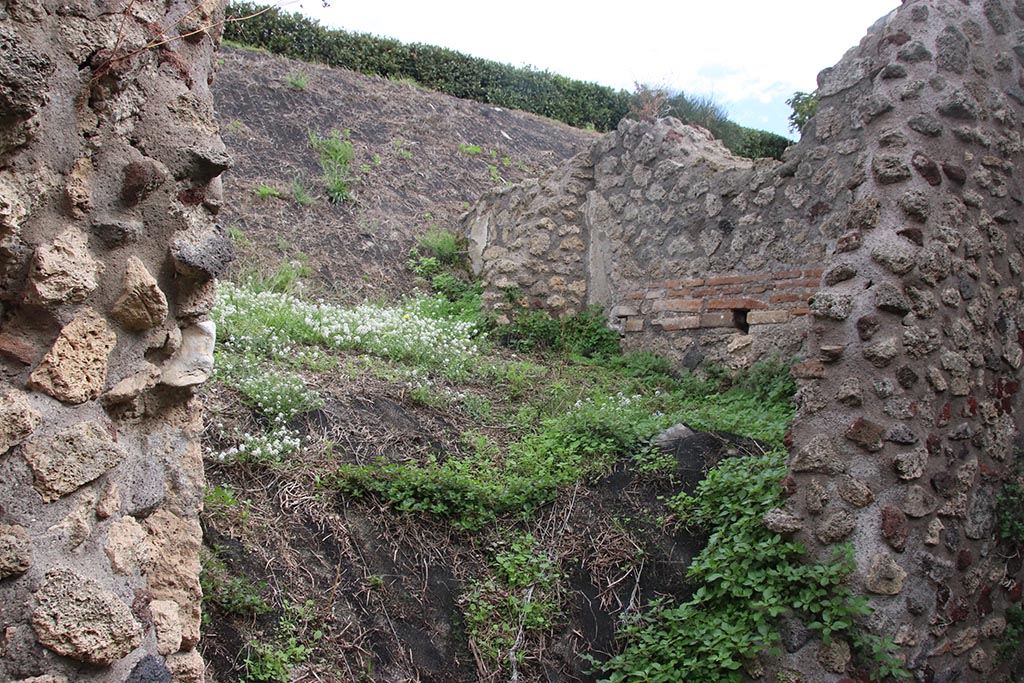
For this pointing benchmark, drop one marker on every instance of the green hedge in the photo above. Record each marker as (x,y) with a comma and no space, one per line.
(574,102)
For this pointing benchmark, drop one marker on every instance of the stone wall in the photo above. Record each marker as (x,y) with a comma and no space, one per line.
(909,412)
(109,165)
(676,238)
(905,195)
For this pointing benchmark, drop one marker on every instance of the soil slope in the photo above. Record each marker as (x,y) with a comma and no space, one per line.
(409,173)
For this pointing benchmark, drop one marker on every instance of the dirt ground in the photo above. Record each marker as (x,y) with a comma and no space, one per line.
(379,594)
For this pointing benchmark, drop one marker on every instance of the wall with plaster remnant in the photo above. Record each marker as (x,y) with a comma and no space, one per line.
(109,181)
(889,247)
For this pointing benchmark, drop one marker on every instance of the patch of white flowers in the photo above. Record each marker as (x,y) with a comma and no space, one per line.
(262,330)
(269,448)
(282,327)
(277,395)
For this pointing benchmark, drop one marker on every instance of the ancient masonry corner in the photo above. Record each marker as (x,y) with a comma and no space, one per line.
(109,183)
(887,249)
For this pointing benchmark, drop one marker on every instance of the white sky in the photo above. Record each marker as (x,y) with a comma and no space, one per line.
(750,55)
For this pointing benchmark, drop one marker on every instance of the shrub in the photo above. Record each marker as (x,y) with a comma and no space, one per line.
(573,102)
(759,144)
(585,333)
(655,102)
(805,106)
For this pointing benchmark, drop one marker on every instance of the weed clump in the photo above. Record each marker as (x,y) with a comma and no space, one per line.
(335,154)
(585,333)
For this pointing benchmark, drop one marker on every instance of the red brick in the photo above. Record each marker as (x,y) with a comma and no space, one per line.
(803,310)
(692,283)
(811,369)
(755,289)
(814,272)
(668,284)
(680,292)
(686,322)
(768,317)
(679,305)
(634,296)
(786,275)
(732,279)
(808,283)
(786,298)
(634,325)
(748,304)
(730,290)
(717,319)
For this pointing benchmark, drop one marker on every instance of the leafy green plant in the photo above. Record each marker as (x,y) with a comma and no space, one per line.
(284,279)
(238,237)
(1013,638)
(264,191)
(401,149)
(335,153)
(804,106)
(495,175)
(423,266)
(274,661)
(769,379)
(235,595)
(297,79)
(221,499)
(471,150)
(477,488)
(519,601)
(584,333)
(747,577)
(448,247)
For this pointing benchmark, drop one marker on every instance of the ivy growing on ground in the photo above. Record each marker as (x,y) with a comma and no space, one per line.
(747,578)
